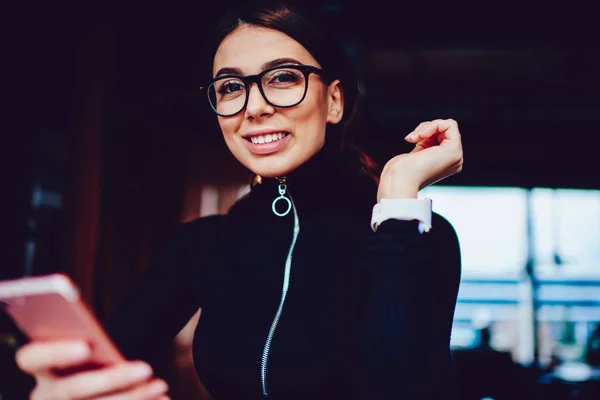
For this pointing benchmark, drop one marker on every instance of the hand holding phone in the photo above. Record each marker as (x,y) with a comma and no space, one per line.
(49,308)
(70,355)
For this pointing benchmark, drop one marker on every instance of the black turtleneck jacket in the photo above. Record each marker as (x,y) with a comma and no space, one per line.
(366,316)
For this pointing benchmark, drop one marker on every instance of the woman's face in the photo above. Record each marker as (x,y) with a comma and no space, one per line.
(296,133)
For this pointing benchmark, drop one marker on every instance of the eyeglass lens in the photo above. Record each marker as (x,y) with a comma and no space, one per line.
(283,87)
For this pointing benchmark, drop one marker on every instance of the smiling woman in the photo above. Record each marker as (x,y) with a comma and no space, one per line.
(279,97)
(283,83)
(320,283)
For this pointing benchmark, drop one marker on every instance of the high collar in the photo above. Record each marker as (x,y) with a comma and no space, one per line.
(325,165)
(320,184)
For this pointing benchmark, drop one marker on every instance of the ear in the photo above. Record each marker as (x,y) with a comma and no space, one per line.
(335,102)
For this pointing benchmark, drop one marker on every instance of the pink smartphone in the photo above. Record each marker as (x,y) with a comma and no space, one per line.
(49,308)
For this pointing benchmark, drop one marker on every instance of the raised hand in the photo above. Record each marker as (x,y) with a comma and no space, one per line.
(438,154)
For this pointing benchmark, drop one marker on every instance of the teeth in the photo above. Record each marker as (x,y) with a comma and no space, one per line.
(267,138)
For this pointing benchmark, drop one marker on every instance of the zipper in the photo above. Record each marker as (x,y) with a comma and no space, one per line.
(286,278)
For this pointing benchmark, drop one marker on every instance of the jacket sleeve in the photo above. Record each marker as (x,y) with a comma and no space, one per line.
(169,293)
(406,292)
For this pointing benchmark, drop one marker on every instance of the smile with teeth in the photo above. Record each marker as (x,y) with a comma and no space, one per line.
(267,138)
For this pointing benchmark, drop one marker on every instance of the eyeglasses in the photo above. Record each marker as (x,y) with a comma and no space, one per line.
(282,86)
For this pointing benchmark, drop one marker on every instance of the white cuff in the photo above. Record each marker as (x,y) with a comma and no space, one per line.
(403,209)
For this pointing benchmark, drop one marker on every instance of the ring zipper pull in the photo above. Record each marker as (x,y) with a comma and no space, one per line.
(282,189)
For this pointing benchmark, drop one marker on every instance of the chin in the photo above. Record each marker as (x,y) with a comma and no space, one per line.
(267,172)
(272,168)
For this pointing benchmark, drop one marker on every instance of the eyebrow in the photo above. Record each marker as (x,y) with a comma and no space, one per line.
(268,64)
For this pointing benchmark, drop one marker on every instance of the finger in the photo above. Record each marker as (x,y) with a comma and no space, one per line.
(413,135)
(447,127)
(429,134)
(418,133)
(425,144)
(450,138)
(435,127)
(105,380)
(153,390)
(421,126)
(40,357)
(446,133)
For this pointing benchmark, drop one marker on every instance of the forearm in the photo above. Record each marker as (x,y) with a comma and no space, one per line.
(404,319)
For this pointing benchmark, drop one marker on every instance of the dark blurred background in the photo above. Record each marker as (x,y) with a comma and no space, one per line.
(109,146)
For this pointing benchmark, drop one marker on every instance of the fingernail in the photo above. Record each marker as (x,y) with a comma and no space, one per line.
(141,371)
(158,387)
(408,136)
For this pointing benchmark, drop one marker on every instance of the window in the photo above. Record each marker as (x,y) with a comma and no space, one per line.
(491,223)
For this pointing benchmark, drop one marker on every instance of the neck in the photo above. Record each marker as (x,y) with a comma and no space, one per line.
(326,183)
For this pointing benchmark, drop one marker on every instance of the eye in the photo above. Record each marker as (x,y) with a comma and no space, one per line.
(285,77)
(229,86)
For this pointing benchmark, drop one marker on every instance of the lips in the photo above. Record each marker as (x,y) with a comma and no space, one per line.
(262,143)
(265,137)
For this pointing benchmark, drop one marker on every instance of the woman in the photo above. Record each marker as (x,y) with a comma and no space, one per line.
(301,296)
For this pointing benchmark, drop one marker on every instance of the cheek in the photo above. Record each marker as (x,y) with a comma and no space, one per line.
(227,125)
(323,105)
(315,110)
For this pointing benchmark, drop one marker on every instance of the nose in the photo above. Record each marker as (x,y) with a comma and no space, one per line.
(257,105)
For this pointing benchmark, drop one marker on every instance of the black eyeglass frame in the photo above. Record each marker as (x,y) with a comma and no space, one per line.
(257,78)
